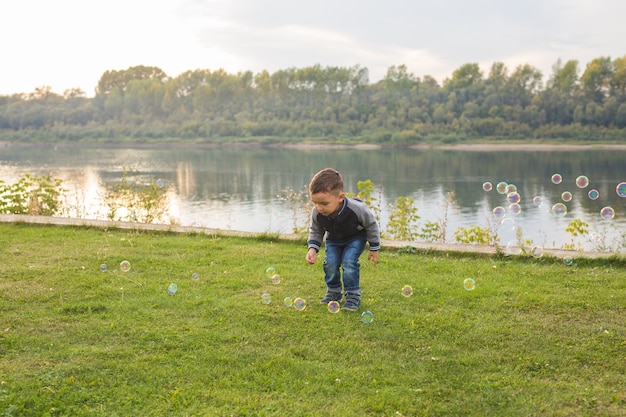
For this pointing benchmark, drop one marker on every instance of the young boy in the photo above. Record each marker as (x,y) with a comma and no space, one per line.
(348,225)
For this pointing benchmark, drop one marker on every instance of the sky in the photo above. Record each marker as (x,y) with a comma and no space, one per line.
(67,44)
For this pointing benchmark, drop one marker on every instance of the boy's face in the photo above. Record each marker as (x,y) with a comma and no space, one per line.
(327,203)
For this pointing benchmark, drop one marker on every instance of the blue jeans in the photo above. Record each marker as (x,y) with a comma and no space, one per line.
(344,256)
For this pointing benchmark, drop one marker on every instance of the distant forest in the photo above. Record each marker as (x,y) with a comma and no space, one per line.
(319,104)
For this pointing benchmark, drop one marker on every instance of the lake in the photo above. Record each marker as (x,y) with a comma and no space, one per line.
(240,188)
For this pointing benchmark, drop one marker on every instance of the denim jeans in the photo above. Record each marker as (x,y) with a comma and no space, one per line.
(344,256)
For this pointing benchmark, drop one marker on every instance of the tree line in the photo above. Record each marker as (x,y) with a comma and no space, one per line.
(334,104)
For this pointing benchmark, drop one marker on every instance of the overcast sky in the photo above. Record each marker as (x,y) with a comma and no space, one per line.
(71,43)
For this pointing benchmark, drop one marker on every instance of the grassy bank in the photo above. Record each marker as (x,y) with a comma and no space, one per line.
(535,337)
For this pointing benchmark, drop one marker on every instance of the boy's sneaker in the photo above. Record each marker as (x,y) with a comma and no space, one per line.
(353,301)
(331,296)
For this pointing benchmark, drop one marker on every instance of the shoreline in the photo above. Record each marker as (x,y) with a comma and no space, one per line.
(477,147)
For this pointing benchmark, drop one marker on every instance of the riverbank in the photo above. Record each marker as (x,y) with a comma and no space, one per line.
(478,147)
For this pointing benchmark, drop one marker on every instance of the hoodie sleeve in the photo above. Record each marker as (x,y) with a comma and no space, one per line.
(369,223)
(316,232)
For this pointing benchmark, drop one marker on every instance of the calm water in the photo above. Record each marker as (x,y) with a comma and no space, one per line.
(239,189)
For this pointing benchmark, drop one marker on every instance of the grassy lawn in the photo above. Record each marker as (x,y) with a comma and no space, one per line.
(535,337)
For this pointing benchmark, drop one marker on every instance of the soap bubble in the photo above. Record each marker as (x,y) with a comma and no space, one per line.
(299,304)
(538,201)
(367,317)
(507,224)
(104,267)
(499,212)
(536,251)
(515,209)
(160,183)
(607,213)
(568,261)
(288,301)
(593,194)
(487,186)
(266,298)
(501,187)
(407,291)
(469,284)
(270,272)
(125,266)
(513,197)
(172,289)
(621,189)
(566,196)
(559,209)
(276,279)
(557,178)
(582,181)
(195,276)
(510,188)
(334,307)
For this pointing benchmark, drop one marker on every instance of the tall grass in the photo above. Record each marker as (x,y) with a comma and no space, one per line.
(535,337)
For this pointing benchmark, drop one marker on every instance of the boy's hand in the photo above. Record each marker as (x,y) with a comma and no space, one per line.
(311,255)
(373,256)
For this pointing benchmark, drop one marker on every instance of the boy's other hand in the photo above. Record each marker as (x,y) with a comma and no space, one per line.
(373,256)
(311,255)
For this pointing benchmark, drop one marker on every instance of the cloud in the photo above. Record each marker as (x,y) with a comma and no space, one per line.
(70,43)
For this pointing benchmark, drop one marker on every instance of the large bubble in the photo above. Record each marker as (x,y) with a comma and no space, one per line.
(582,181)
(559,209)
(621,189)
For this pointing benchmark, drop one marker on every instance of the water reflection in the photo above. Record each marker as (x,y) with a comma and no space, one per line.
(239,189)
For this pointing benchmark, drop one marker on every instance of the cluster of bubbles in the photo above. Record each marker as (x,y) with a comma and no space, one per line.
(505,213)
(266,298)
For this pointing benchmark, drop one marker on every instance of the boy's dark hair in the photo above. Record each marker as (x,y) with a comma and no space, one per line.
(327,180)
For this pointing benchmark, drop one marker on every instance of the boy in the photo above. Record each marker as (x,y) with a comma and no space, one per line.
(348,224)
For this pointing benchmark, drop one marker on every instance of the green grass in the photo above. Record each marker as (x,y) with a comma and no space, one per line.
(535,337)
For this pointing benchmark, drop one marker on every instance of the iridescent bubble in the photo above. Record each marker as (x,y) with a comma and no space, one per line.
(407,291)
(270,272)
(172,289)
(568,261)
(536,251)
(557,178)
(160,183)
(499,212)
(512,248)
(276,279)
(593,194)
(367,317)
(501,187)
(582,181)
(195,276)
(559,209)
(104,267)
(513,197)
(288,301)
(266,298)
(515,209)
(607,213)
(125,266)
(566,196)
(299,304)
(469,284)
(487,186)
(334,307)
(538,201)
(621,189)
(511,188)
(507,224)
